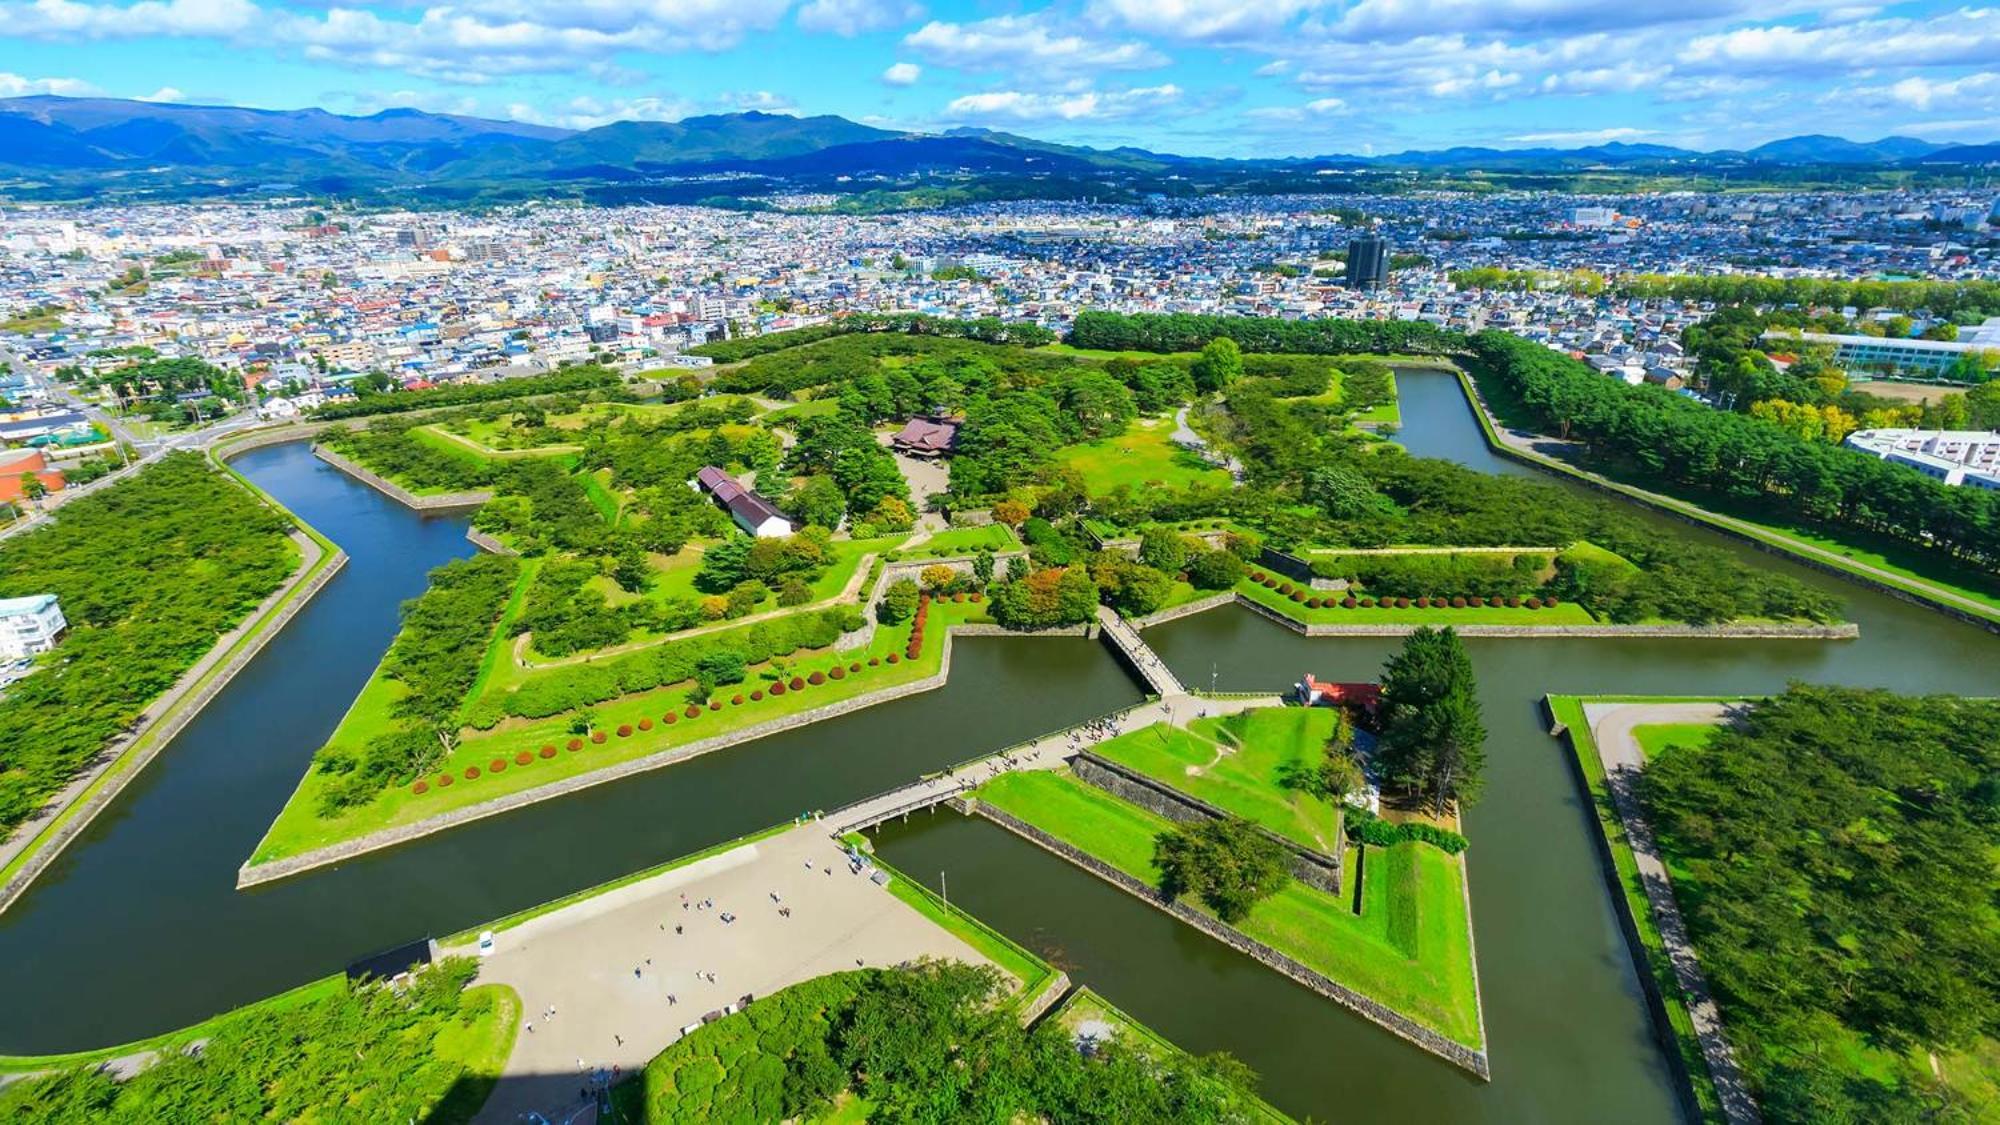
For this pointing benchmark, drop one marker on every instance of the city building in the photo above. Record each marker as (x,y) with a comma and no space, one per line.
(17,466)
(1956,457)
(1925,357)
(926,437)
(752,512)
(30,625)
(1368,262)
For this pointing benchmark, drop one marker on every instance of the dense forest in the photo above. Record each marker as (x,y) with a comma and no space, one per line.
(365,1053)
(582,378)
(1834,856)
(149,574)
(1186,332)
(985,329)
(1681,446)
(927,1043)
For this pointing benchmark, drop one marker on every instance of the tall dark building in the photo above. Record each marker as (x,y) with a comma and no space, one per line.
(1367,262)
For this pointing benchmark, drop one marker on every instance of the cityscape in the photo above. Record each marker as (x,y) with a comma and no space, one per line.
(1019,572)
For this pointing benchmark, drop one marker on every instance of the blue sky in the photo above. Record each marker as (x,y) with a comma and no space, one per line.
(1218,77)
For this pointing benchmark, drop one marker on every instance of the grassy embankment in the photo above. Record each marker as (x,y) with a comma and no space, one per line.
(299,827)
(1143,456)
(1410,947)
(1901,566)
(1568,613)
(1240,763)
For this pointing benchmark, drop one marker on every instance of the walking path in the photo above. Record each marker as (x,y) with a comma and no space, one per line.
(608,965)
(1618,748)
(1154,670)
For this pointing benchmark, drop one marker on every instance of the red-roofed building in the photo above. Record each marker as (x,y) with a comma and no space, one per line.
(17,465)
(1362,700)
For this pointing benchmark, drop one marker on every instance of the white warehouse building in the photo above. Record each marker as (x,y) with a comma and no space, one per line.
(29,625)
(1956,457)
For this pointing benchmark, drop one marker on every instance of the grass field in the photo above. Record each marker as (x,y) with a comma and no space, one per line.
(1143,456)
(1568,613)
(966,540)
(299,827)
(1238,762)
(1410,948)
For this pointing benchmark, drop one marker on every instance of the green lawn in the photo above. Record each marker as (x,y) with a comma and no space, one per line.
(1144,456)
(1658,738)
(1410,948)
(1568,613)
(299,827)
(966,540)
(1237,763)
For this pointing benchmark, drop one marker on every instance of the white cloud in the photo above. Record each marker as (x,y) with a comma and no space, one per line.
(763,101)
(902,74)
(1200,20)
(1967,37)
(1583,136)
(1317,108)
(1025,46)
(1085,105)
(67,19)
(852,17)
(15,86)
(585,112)
(164,94)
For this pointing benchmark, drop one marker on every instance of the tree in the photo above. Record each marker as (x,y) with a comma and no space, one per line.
(1219,365)
(1163,549)
(1214,570)
(1228,864)
(724,565)
(938,576)
(1011,512)
(899,602)
(982,567)
(1342,492)
(1433,736)
(631,570)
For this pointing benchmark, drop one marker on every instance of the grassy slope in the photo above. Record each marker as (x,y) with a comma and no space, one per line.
(299,828)
(1144,455)
(1245,779)
(1410,948)
(964,540)
(1568,613)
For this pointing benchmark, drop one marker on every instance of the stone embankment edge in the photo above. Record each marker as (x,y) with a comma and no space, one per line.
(1383,1016)
(396,491)
(1698,516)
(299,590)
(1845,631)
(1314,868)
(1188,609)
(255,874)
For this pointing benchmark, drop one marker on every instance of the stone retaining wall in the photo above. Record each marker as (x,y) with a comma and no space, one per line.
(1313,868)
(1188,609)
(1800,632)
(488,543)
(259,438)
(396,491)
(300,591)
(1395,1022)
(253,874)
(1051,995)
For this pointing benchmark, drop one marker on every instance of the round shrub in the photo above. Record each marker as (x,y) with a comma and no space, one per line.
(646,724)
(854,667)
(836,673)
(1534,603)
(597,736)
(736,701)
(798,683)
(691,711)
(893,658)
(1550,601)
(524,758)
(778,688)
(670,718)
(1458,603)
(445,779)
(1476,601)
(1402,603)
(959,598)
(1348,602)
(576,743)
(497,765)
(421,787)
(913,652)
(975,597)
(715,704)
(756,695)
(873,661)
(624,730)
(1256,576)
(1423,603)
(1268,582)
(548,751)
(816,679)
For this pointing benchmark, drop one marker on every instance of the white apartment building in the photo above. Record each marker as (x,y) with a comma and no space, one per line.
(1956,457)
(29,625)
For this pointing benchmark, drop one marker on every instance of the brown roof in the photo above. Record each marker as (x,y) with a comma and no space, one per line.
(933,435)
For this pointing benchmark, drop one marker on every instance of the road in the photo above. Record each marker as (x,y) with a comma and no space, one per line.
(1612,727)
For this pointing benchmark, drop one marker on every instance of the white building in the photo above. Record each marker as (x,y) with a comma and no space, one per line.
(1956,457)
(29,625)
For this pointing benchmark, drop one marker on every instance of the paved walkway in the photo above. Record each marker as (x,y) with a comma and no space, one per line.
(1612,728)
(608,965)
(1155,671)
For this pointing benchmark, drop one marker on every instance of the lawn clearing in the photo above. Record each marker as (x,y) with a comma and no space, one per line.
(1237,763)
(1410,948)
(1568,613)
(1144,456)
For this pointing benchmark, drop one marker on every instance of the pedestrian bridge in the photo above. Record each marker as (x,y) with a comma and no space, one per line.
(1138,654)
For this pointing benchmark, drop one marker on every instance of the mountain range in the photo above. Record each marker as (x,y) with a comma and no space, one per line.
(107,140)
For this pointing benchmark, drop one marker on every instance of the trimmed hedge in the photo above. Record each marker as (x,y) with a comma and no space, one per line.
(548,751)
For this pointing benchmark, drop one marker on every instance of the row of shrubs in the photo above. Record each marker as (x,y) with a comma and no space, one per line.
(1365,828)
(776,689)
(1305,597)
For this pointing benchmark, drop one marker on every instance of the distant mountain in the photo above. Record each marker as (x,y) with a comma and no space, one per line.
(1819,149)
(77,143)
